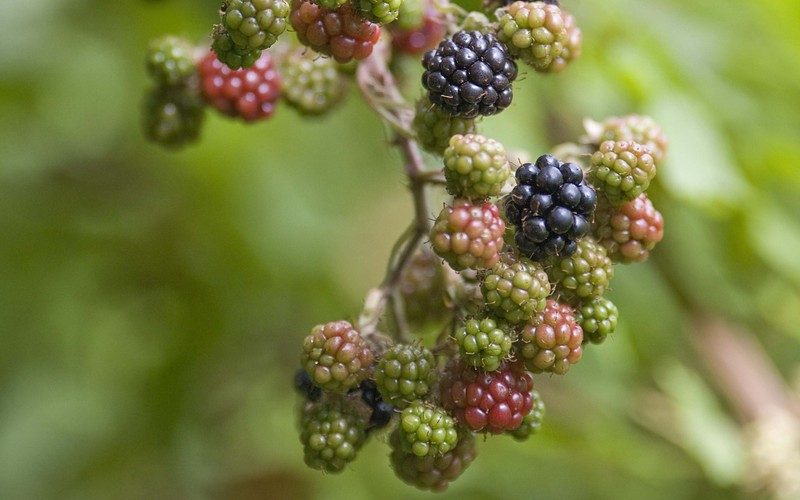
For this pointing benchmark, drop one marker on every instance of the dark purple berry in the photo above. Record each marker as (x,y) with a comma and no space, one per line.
(558,211)
(469,75)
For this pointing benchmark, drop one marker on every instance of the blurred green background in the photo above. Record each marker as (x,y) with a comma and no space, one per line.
(154,302)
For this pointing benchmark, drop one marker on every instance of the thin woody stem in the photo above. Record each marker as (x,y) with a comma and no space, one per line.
(381,92)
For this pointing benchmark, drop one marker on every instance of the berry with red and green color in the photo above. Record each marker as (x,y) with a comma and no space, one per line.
(551,340)
(487,401)
(405,373)
(331,433)
(630,231)
(432,473)
(341,33)
(336,357)
(249,94)
(468,235)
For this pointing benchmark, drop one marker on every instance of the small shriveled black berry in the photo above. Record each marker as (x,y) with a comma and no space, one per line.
(304,385)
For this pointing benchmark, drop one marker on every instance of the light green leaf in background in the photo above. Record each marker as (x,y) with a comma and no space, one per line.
(705,431)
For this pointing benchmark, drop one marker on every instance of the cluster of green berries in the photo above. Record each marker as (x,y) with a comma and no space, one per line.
(247,27)
(173,111)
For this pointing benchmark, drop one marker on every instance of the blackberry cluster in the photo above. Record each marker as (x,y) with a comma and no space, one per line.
(551,341)
(487,401)
(170,60)
(583,275)
(422,289)
(516,290)
(630,231)
(426,431)
(469,74)
(598,319)
(332,434)
(434,127)
(341,33)
(173,110)
(173,116)
(622,170)
(468,235)
(311,84)
(405,373)
(432,473)
(534,31)
(475,166)
(484,342)
(249,94)
(336,357)
(254,24)
(551,207)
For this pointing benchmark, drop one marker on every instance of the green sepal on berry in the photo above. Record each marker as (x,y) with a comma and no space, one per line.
(331,433)
(255,24)
(379,11)
(426,430)
(532,423)
(404,374)
(534,31)
(434,127)
(336,357)
(432,473)
(475,167)
(598,319)
(484,342)
(516,290)
(583,275)
(622,170)
(173,116)
(230,54)
(171,60)
(311,83)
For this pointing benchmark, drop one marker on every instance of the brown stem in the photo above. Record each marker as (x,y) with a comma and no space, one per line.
(381,92)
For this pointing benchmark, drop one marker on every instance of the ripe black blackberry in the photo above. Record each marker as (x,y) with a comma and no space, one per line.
(551,207)
(469,74)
